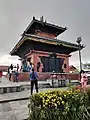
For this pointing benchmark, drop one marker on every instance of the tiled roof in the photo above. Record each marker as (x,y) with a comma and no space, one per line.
(57,29)
(44,40)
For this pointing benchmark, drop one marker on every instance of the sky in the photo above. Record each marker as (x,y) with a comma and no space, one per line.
(15,15)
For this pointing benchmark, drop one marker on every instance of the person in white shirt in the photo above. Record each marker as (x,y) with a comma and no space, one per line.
(10,71)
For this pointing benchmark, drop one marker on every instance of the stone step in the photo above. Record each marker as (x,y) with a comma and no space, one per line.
(27,87)
(8,89)
(18,88)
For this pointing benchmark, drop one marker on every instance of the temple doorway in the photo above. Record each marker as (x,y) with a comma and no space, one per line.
(51,64)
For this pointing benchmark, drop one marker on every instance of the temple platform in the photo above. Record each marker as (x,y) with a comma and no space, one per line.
(7,86)
(43,76)
(46,80)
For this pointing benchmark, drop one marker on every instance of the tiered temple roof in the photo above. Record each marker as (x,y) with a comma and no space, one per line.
(40,32)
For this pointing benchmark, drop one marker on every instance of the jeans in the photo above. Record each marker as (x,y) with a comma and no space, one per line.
(16,77)
(32,85)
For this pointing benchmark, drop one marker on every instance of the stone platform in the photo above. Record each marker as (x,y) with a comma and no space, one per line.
(7,86)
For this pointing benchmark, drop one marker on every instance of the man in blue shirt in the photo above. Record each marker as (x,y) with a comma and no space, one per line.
(34,80)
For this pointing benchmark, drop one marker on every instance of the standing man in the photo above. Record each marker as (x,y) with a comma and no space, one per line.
(34,80)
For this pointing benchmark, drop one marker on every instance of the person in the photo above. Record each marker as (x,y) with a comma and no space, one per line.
(16,74)
(38,66)
(10,71)
(84,79)
(34,80)
(32,65)
(29,67)
(21,69)
(24,67)
(17,67)
(11,66)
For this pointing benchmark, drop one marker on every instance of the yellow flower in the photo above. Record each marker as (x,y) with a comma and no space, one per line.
(58,102)
(47,100)
(46,104)
(55,104)
(43,101)
(43,105)
(64,95)
(63,102)
(60,98)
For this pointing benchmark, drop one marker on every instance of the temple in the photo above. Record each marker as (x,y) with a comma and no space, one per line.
(39,45)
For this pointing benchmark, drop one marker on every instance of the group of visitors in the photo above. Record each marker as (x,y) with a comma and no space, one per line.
(27,67)
(32,75)
(13,70)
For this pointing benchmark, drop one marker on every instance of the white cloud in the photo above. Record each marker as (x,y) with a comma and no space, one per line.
(7,60)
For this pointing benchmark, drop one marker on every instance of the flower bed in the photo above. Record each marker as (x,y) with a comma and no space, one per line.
(59,105)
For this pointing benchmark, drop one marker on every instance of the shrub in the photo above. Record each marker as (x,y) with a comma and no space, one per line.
(88,93)
(59,105)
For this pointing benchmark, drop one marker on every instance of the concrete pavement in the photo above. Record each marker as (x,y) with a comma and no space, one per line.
(7,97)
(15,110)
(7,86)
(14,105)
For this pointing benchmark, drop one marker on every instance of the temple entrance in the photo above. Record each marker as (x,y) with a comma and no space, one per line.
(51,64)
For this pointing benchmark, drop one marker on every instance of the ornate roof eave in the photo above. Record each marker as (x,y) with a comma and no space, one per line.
(44,40)
(44,23)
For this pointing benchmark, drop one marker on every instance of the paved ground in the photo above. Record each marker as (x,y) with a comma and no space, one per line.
(6,82)
(18,109)
(15,110)
(7,86)
(21,95)
(13,106)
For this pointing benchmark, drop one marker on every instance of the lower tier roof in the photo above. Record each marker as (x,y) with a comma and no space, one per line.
(55,42)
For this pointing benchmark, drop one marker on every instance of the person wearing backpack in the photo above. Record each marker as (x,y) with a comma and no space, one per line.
(34,80)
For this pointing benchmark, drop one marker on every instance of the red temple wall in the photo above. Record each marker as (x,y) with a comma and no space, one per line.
(45,75)
(35,59)
(46,35)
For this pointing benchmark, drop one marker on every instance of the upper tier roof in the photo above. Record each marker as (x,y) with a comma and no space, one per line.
(44,27)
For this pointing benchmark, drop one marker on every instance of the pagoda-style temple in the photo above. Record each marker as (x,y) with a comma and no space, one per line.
(39,45)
